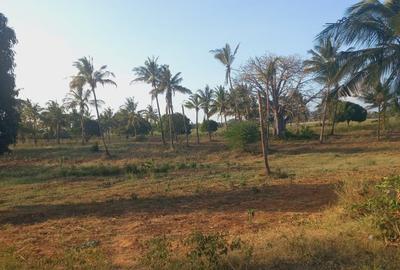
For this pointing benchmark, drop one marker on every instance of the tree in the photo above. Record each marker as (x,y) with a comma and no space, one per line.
(30,116)
(206,97)
(194,102)
(150,73)
(150,115)
(107,121)
(348,111)
(78,98)
(221,102)
(170,84)
(180,121)
(9,117)
(54,116)
(209,126)
(129,108)
(92,77)
(324,63)
(226,57)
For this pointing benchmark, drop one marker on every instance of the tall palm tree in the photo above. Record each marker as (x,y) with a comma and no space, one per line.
(55,116)
(78,98)
(195,103)
(31,111)
(93,78)
(221,102)
(150,73)
(226,57)
(324,63)
(206,100)
(373,28)
(170,84)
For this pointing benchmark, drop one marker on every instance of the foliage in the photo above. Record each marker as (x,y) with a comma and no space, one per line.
(8,104)
(178,126)
(348,111)
(240,134)
(305,133)
(209,126)
(383,205)
(158,253)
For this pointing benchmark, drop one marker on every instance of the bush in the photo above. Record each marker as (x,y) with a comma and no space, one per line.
(383,205)
(178,125)
(209,126)
(305,133)
(240,134)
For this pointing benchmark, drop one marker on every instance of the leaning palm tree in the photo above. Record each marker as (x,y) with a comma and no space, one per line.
(195,103)
(324,63)
(227,57)
(92,78)
(78,98)
(221,102)
(373,28)
(206,100)
(150,73)
(170,84)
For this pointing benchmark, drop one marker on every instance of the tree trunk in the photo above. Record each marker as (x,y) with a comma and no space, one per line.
(321,136)
(334,117)
(82,129)
(279,124)
(231,86)
(58,132)
(208,127)
(171,136)
(184,126)
(160,119)
(379,122)
(98,123)
(264,145)
(197,126)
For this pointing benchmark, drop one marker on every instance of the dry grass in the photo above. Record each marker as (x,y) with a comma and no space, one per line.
(48,221)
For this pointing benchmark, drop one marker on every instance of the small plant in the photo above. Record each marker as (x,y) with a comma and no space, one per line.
(95,147)
(158,253)
(250,214)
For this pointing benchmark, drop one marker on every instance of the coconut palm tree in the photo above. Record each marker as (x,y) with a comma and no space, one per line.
(55,117)
(31,112)
(78,98)
(324,63)
(206,101)
(150,73)
(195,103)
(373,27)
(221,102)
(150,115)
(130,108)
(93,78)
(170,84)
(107,121)
(226,57)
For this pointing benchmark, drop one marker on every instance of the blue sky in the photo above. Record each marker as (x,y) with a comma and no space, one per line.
(122,33)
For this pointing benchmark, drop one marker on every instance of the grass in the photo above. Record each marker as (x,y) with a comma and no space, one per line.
(66,207)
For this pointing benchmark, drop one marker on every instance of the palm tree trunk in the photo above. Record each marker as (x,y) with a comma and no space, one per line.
(82,129)
(264,145)
(184,125)
(98,123)
(197,126)
(379,122)
(208,127)
(160,119)
(236,105)
(334,118)
(58,132)
(321,136)
(171,137)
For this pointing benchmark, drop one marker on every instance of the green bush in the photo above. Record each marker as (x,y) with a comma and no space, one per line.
(209,126)
(383,205)
(240,134)
(305,133)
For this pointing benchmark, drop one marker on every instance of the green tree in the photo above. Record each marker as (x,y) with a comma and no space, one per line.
(194,103)
(30,117)
(151,73)
(170,84)
(226,57)
(206,101)
(150,115)
(9,117)
(107,121)
(133,117)
(55,117)
(348,111)
(221,102)
(92,78)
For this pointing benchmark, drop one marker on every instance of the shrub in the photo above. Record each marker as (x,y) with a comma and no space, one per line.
(383,205)
(305,133)
(158,253)
(240,134)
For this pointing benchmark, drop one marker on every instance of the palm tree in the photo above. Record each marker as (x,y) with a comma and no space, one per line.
(150,73)
(170,84)
(324,63)
(107,119)
(226,57)
(130,108)
(92,77)
(195,103)
(206,100)
(221,102)
(31,111)
(150,115)
(373,27)
(78,98)
(55,116)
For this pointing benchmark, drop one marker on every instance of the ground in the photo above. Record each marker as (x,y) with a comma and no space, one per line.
(52,209)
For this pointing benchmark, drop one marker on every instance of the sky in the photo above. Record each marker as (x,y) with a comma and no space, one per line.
(123,33)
